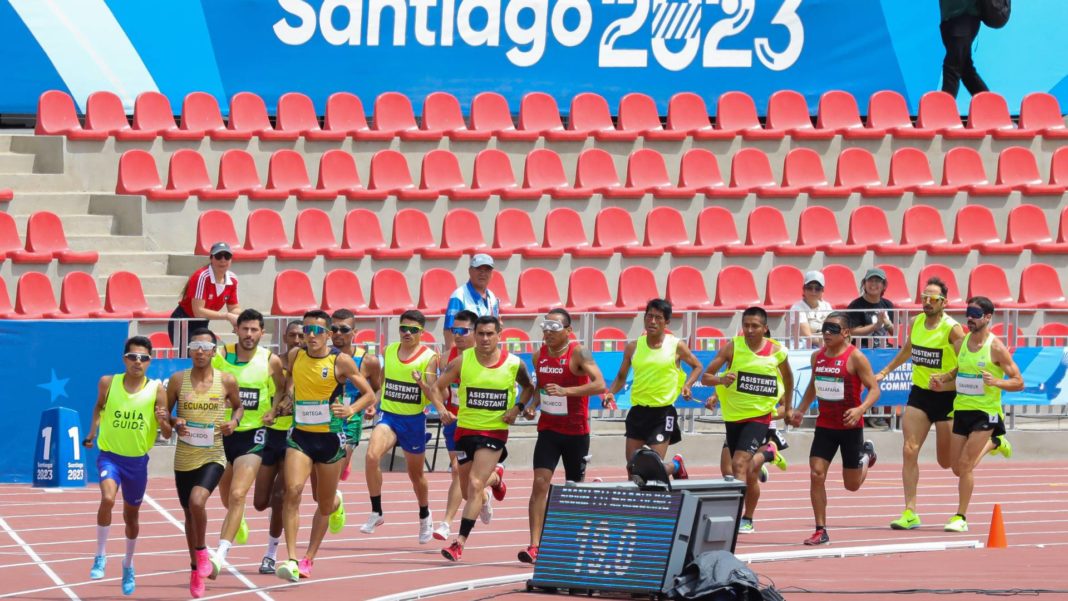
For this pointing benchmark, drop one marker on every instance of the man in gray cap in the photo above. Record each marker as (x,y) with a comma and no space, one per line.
(474,296)
(811,310)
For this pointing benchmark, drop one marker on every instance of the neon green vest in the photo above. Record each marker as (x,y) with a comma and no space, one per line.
(657,380)
(400,394)
(972,394)
(254,384)
(486,394)
(931,350)
(757,387)
(128,423)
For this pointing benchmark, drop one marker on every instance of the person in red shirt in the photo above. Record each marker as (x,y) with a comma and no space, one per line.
(208,291)
(566,375)
(839,371)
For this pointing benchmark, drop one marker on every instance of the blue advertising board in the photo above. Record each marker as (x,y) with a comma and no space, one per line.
(562,47)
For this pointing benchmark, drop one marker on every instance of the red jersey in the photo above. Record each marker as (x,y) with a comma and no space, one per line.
(836,389)
(202,285)
(452,403)
(570,415)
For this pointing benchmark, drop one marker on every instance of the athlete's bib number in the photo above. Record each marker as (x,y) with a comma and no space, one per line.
(250,398)
(552,404)
(830,389)
(312,413)
(198,434)
(970,384)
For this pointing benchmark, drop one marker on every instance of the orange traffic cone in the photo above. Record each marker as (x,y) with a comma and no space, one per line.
(996,538)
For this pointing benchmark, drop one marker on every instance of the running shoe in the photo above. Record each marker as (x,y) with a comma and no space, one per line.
(216,566)
(453,552)
(304,567)
(956,524)
(196,585)
(869,450)
(373,521)
(345,472)
(337,518)
(818,537)
(288,570)
(779,461)
(745,526)
(99,563)
(529,555)
(486,513)
(267,565)
(763,473)
(500,488)
(242,533)
(128,585)
(204,566)
(680,469)
(1004,447)
(426,530)
(442,532)
(908,521)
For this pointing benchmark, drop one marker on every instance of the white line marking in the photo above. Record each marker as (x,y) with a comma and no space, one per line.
(34,556)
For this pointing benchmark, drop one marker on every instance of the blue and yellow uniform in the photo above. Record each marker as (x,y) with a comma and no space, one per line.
(354,425)
(316,432)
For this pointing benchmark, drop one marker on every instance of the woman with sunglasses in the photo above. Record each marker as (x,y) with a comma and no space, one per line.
(129,410)
(839,372)
(209,291)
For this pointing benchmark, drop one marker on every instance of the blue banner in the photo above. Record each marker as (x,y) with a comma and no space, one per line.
(562,47)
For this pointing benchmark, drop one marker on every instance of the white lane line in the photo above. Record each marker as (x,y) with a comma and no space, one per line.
(34,556)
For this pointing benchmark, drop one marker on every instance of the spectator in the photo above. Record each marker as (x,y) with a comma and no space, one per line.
(474,296)
(869,314)
(811,310)
(208,290)
(960,26)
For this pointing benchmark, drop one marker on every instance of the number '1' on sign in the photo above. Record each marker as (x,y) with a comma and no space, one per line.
(57,460)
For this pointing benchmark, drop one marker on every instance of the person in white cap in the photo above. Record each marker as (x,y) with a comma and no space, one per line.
(474,296)
(210,293)
(811,310)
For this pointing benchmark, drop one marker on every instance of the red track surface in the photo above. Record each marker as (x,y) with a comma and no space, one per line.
(60,528)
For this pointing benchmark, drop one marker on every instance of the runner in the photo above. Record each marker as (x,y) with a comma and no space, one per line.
(757,380)
(201,395)
(129,410)
(566,375)
(259,377)
(342,335)
(294,338)
(315,388)
(839,370)
(983,362)
(487,375)
(410,371)
(931,348)
(656,355)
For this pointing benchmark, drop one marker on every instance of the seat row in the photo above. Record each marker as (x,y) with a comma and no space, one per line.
(665,232)
(788,115)
(45,241)
(588,290)
(595,173)
(79,298)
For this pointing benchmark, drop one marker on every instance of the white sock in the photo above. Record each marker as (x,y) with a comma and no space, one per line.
(127,562)
(272,547)
(102,539)
(224,548)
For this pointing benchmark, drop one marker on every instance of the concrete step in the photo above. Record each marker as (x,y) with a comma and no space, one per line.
(15,163)
(108,243)
(162,302)
(165,285)
(41,182)
(140,262)
(60,203)
(76,225)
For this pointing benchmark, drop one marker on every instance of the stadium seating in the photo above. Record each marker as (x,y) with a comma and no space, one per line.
(79,297)
(105,114)
(595,173)
(441,117)
(287,176)
(217,226)
(389,293)
(818,229)
(938,112)
(1027,226)
(751,172)
(411,234)
(513,232)
(638,113)
(838,112)
(124,296)
(564,234)
(614,229)
(788,114)
(953,298)
(390,175)
(461,233)
(897,288)
(868,227)
(338,176)
(1058,176)
(34,298)
(297,117)
(686,289)
(736,114)
(344,116)
(990,281)
(537,291)
(783,287)
(45,236)
(989,113)
(56,116)
(1040,287)
(187,173)
(922,226)
(1053,334)
(491,117)
(138,176)
(665,230)
(543,173)
(1041,113)
(264,232)
(687,113)
(608,339)
(699,174)
(6,309)
(153,118)
(313,232)
(200,118)
(735,288)
(802,172)
(841,285)
(975,228)
(439,176)
(342,290)
(493,174)
(910,171)
(637,284)
(10,243)
(435,287)
(497,286)
(587,290)
(361,233)
(647,173)
(538,112)
(162,347)
(393,117)
(293,293)
(248,119)
(889,114)
(765,232)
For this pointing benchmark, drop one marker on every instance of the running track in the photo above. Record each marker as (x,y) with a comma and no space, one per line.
(47,540)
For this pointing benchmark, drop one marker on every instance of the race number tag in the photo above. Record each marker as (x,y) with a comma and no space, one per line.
(970,384)
(552,404)
(198,434)
(830,389)
(250,398)
(311,413)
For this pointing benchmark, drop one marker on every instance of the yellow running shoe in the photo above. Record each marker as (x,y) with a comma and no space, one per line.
(337,519)
(1004,447)
(908,521)
(242,533)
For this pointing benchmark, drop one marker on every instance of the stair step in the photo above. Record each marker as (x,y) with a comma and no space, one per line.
(75,225)
(15,163)
(165,285)
(60,203)
(40,182)
(139,262)
(162,302)
(108,243)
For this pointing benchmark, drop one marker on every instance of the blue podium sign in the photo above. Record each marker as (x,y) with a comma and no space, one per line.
(58,460)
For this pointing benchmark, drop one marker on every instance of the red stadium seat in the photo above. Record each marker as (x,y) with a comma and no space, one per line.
(439,176)
(1027,226)
(686,290)
(1040,286)
(217,226)
(287,175)
(687,113)
(10,243)
(124,296)
(411,234)
(513,232)
(802,172)
(638,113)
(344,115)
(975,228)
(909,172)
(342,290)
(922,226)
(783,287)
(838,112)
(79,297)
(709,338)
(293,293)
(435,287)
(736,114)
(237,176)
(296,115)
(637,286)
(990,114)
(492,175)
(104,113)
(516,340)
(887,110)
(765,232)
(990,281)
(312,231)
(1053,334)
(162,347)
(646,173)
(6,194)
(699,174)
(200,118)
(44,235)
(609,339)
(389,293)
(543,173)
(441,117)
(188,173)
(868,227)
(497,286)
(138,176)
(34,298)
(946,274)
(589,114)
(1058,176)
(596,174)
(665,230)
(788,113)
(587,290)
(390,175)
(338,174)
(614,229)
(152,118)
(264,232)
(819,229)
(855,172)
(962,169)
(537,292)
(538,112)
(841,287)
(1018,168)
(360,234)
(751,171)
(735,288)
(56,116)
(716,232)
(897,288)
(938,112)
(490,113)
(393,115)
(1041,113)
(248,119)
(461,233)
(564,233)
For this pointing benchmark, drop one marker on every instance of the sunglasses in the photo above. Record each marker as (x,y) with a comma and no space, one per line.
(201,345)
(314,330)
(551,326)
(223,256)
(341,329)
(460,331)
(974,313)
(932,297)
(410,329)
(831,328)
(814,287)
(138,357)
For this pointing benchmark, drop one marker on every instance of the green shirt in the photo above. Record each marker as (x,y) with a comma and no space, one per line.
(757,386)
(128,422)
(486,393)
(254,384)
(932,352)
(972,394)
(657,380)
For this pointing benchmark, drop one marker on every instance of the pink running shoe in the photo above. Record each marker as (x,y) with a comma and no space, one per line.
(203,563)
(304,566)
(196,585)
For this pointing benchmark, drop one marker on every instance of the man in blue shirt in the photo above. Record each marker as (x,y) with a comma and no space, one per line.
(474,296)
